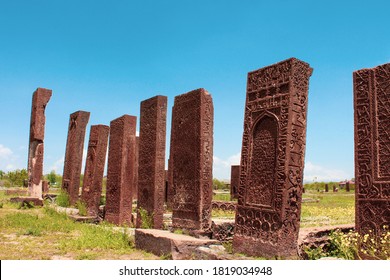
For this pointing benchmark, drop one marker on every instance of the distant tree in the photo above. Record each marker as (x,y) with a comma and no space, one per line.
(2,174)
(17,177)
(218,185)
(52,177)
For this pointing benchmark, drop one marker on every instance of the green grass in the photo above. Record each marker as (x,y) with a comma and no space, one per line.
(63,199)
(331,209)
(221,196)
(221,214)
(43,233)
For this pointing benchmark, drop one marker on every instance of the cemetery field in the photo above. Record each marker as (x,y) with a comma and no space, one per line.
(42,233)
(327,208)
(318,208)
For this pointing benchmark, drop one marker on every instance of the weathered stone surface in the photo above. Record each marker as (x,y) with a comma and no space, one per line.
(326,188)
(161,242)
(94,168)
(223,231)
(191,153)
(135,171)
(74,154)
(16,192)
(151,172)
(166,186)
(234,181)
(37,134)
(120,171)
(372,147)
(170,190)
(272,160)
(224,205)
(27,201)
(45,187)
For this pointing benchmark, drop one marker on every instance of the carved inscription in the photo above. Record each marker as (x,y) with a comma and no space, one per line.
(191,160)
(94,168)
(120,170)
(263,163)
(151,175)
(272,158)
(74,154)
(372,148)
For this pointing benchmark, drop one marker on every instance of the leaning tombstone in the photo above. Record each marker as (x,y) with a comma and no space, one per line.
(74,154)
(151,162)
(272,160)
(120,170)
(37,134)
(191,159)
(234,181)
(94,168)
(372,147)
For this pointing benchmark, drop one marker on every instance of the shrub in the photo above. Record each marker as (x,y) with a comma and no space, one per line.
(146,218)
(353,246)
(62,199)
(82,208)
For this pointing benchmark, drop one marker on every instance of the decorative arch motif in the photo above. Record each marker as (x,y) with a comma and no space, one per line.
(262,166)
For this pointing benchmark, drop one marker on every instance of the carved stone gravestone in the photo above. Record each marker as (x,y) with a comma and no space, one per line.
(45,187)
(74,154)
(347,187)
(37,134)
(135,170)
(151,160)
(191,156)
(234,181)
(120,170)
(326,188)
(372,149)
(94,168)
(170,191)
(272,160)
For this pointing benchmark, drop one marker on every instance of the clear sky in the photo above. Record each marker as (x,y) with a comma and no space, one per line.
(105,57)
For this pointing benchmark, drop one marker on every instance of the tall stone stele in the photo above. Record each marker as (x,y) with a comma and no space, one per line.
(121,170)
(151,164)
(74,154)
(234,181)
(37,134)
(191,159)
(94,168)
(272,160)
(372,148)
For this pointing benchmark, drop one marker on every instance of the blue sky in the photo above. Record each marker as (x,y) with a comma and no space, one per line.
(105,57)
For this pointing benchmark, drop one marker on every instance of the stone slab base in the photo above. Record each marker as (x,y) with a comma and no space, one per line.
(16,192)
(85,219)
(179,246)
(25,201)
